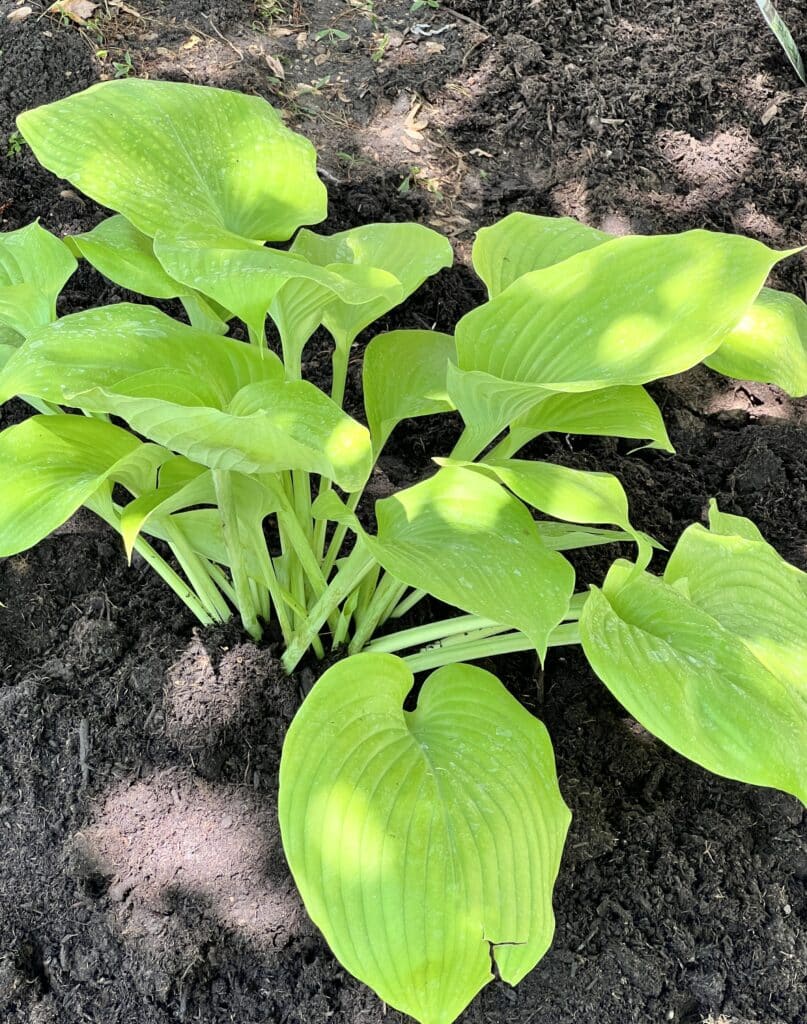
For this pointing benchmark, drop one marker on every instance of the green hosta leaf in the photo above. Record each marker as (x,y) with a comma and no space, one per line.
(522,242)
(560,537)
(711,658)
(267,427)
(574,495)
(409,252)
(611,412)
(423,842)
(171,155)
(138,350)
(182,483)
(488,404)
(404,376)
(126,256)
(51,465)
(625,312)
(299,306)
(783,35)
(246,277)
(34,267)
(769,344)
(462,538)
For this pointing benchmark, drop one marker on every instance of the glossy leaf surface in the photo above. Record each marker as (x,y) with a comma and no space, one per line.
(172,155)
(404,376)
(34,267)
(423,842)
(769,344)
(712,658)
(522,242)
(50,465)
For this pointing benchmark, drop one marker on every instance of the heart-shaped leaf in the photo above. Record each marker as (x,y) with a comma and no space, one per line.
(712,658)
(171,155)
(424,843)
(462,538)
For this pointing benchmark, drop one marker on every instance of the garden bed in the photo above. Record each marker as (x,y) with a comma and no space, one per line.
(141,876)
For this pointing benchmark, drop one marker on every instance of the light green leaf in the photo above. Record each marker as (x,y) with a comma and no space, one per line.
(246,277)
(626,312)
(126,256)
(611,412)
(170,155)
(560,537)
(404,376)
(268,427)
(462,538)
(138,350)
(712,658)
(34,267)
(409,252)
(574,495)
(725,522)
(769,344)
(783,35)
(426,842)
(522,242)
(50,465)
(182,483)
(488,404)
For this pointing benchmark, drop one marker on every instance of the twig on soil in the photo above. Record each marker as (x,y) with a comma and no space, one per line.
(466,19)
(83,751)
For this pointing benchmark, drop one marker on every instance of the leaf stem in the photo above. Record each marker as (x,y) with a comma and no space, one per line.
(509,643)
(358,564)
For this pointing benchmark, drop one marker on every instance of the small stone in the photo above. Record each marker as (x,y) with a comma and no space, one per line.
(19,14)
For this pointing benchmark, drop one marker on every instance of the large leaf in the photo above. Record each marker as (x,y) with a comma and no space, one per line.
(404,376)
(126,256)
(769,344)
(409,252)
(169,155)
(574,495)
(425,844)
(712,658)
(268,427)
(625,312)
(246,278)
(611,412)
(51,465)
(154,355)
(34,266)
(461,537)
(522,242)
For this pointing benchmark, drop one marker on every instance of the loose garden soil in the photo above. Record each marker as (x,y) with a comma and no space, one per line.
(141,875)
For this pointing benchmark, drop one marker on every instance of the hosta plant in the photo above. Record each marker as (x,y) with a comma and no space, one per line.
(426,843)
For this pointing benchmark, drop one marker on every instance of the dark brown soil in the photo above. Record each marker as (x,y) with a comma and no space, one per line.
(141,878)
